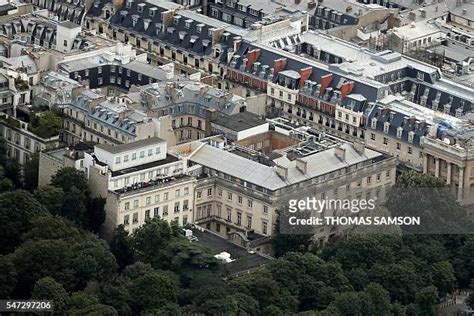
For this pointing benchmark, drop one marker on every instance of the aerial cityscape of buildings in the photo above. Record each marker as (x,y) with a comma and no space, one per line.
(212,113)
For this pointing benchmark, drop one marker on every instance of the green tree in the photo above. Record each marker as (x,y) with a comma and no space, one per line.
(74,207)
(426,298)
(53,228)
(151,237)
(31,172)
(443,277)
(121,247)
(46,124)
(95,213)
(8,276)
(17,209)
(68,178)
(50,197)
(48,289)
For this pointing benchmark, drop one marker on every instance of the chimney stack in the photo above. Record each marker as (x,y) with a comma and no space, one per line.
(302,165)
(359,147)
(340,153)
(281,171)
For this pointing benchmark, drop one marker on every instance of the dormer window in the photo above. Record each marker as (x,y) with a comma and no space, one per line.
(199,28)
(140,7)
(399,132)
(188,24)
(210,32)
(176,19)
(128,5)
(374,123)
(420,75)
(386,126)
(411,135)
(152,11)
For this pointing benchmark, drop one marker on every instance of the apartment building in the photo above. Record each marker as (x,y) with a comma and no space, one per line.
(22,141)
(239,200)
(140,180)
(192,105)
(448,156)
(92,117)
(63,10)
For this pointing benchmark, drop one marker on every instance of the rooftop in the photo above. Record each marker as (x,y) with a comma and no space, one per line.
(239,122)
(244,260)
(130,146)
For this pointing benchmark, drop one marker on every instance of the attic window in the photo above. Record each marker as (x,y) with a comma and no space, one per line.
(399,132)
(140,7)
(411,135)
(176,19)
(152,12)
(199,27)
(193,39)
(386,126)
(374,123)
(188,23)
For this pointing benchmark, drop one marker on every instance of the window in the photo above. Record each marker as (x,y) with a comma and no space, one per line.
(135,218)
(249,222)
(156,211)
(99,69)
(250,203)
(229,196)
(157,150)
(410,150)
(185,205)
(126,220)
(219,193)
(165,210)
(198,194)
(65,43)
(239,218)
(177,192)
(117,160)
(150,152)
(372,136)
(186,191)
(385,141)
(209,192)
(142,154)
(265,209)
(387,174)
(378,177)
(399,146)
(229,215)
(165,196)
(239,199)
(135,203)
(157,198)
(125,158)
(176,207)
(147,214)
(264,228)
(134,156)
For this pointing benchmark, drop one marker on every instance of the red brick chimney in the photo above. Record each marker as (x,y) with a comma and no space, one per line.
(252,56)
(325,81)
(278,66)
(305,73)
(346,89)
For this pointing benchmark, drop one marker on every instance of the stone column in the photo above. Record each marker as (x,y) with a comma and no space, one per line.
(448,174)
(437,167)
(461,183)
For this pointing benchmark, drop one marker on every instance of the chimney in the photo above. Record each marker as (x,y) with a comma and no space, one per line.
(252,56)
(325,81)
(297,1)
(302,165)
(464,11)
(412,16)
(423,13)
(279,65)
(346,89)
(305,73)
(281,171)
(237,42)
(311,4)
(340,153)
(359,147)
